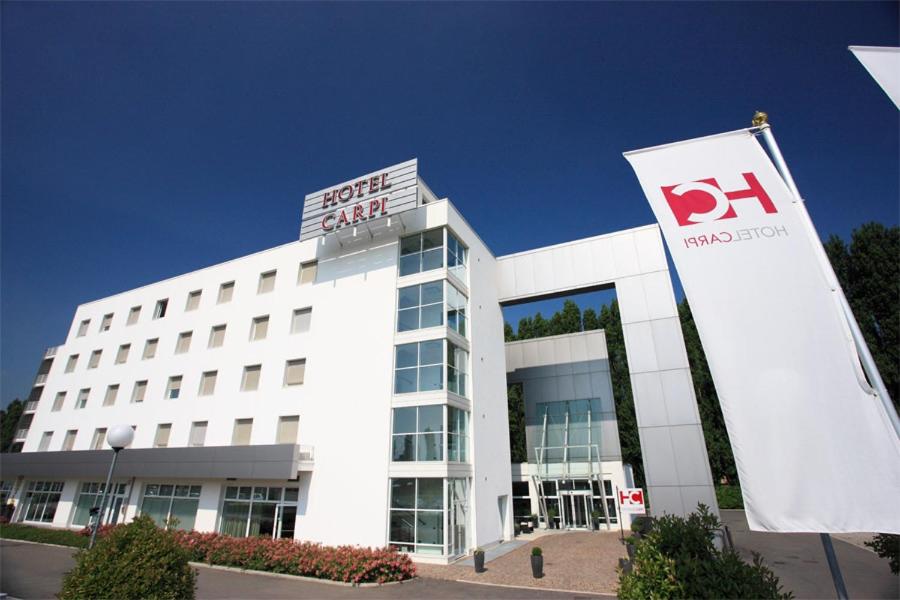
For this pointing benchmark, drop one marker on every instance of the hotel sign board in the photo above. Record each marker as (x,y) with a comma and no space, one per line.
(361,201)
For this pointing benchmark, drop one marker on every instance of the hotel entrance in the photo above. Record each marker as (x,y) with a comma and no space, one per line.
(575,509)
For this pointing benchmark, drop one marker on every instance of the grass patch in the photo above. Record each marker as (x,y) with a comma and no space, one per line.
(62,537)
(729,496)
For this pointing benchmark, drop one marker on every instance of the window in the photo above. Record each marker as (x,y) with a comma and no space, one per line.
(521,502)
(259,328)
(122,354)
(83,328)
(226,293)
(457,257)
(171,506)
(81,402)
(58,402)
(208,383)
(6,488)
(420,306)
(418,433)
(161,306)
(422,252)
(133,315)
(418,367)
(417,515)
(198,433)
(45,441)
(134,431)
(140,390)
(69,440)
(240,436)
(70,364)
(98,439)
(250,380)
(457,367)
(193,300)
(41,500)
(301,319)
(91,495)
(111,393)
(173,389)
(95,359)
(150,348)
(294,371)
(216,336)
(287,430)
(162,435)
(184,342)
(457,434)
(266,282)
(259,511)
(456,310)
(307,273)
(106,323)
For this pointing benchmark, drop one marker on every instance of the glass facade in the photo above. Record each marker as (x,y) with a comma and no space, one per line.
(171,506)
(457,318)
(422,252)
(259,511)
(90,495)
(418,434)
(457,367)
(420,306)
(457,434)
(457,257)
(418,367)
(41,500)
(572,426)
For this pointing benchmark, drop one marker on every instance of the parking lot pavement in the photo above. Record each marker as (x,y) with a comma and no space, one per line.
(799,561)
(35,571)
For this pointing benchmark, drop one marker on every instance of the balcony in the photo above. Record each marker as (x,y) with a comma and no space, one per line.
(41,379)
(307,455)
(51,351)
(21,434)
(30,406)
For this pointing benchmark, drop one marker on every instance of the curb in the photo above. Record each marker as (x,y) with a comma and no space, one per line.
(296,577)
(15,541)
(539,589)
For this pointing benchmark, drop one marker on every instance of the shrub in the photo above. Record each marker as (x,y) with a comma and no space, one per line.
(44,535)
(536,551)
(350,564)
(677,559)
(102,532)
(887,545)
(729,496)
(137,560)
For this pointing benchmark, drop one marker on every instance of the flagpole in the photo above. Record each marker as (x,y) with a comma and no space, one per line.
(862,348)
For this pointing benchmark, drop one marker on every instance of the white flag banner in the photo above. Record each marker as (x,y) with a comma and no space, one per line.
(883,64)
(814,447)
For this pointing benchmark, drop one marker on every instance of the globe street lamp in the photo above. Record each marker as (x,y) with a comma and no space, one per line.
(118,437)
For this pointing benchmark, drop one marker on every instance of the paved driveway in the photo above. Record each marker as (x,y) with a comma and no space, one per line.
(34,571)
(799,561)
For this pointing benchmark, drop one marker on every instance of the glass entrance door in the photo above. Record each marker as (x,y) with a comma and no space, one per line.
(286,518)
(575,510)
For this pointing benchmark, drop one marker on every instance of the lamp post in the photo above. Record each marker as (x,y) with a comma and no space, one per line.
(118,437)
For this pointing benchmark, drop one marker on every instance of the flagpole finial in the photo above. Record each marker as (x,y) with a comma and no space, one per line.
(760,118)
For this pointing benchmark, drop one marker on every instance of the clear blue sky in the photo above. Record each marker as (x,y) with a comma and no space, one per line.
(144,140)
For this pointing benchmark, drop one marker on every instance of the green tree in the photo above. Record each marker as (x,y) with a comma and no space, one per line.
(539,326)
(526,327)
(869,272)
(508,334)
(589,320)
(516,408)
(9,420)
(569,317)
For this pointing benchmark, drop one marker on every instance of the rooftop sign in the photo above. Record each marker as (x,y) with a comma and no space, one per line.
(361,201)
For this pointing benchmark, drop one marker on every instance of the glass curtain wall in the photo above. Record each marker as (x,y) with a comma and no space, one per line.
(41,500)
(418,433)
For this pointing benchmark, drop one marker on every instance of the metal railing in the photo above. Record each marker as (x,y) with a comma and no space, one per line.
(40,379)
(307,453)
(31,406)
(21,434)
(50,352)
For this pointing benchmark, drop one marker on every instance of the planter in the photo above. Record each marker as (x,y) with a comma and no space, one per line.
(630,549)
(625,565)
(537,566)
(479,562)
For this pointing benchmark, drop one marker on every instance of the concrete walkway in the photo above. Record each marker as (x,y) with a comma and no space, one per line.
(799,561)
(35,571)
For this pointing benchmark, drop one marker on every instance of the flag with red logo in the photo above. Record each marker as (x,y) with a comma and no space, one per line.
(814,447)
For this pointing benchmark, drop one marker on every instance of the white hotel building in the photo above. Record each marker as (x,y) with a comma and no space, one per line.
(346,388)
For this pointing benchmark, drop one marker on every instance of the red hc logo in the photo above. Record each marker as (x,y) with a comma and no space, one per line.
(704,201)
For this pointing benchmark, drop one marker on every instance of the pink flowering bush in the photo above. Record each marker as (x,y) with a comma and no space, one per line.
(102,532)
(349,564)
